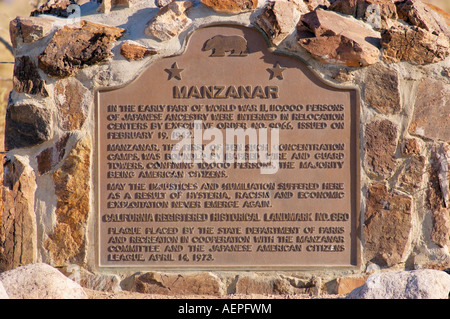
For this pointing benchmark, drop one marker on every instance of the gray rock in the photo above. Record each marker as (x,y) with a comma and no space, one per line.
(27,79)
(27,125)
(417,284)
(40,281)
(3,293)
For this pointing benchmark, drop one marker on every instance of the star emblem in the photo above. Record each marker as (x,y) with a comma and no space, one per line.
(174,72)
(276,71)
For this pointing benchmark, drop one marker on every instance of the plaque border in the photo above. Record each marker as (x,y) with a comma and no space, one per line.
(355,245)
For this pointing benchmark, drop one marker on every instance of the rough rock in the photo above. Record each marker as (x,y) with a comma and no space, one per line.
(3,293)
(54,7)
(411,146)
(29,29)
(252,284)
(332,38)
(345,6)
(27,79)
(277,20)
(419,14)
(380,148)
(440,233)
(317,4)
(377,13)
(98,282)
(437,195)
(387,226)
(171,284)
(107,5)
(169,21)
(71,49)
(231,6)
(416,284)
(431,105)
(381,89)
(51,156)
(40,281)
(411,172)
(344,285)
(72,100)
(131,51)
(162,3)
(67,244)
(18,232)
(27,125)
(413,44)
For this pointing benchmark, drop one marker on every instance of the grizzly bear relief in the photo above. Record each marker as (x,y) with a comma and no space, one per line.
(219,44)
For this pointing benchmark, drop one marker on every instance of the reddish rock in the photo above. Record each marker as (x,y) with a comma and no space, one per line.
(380,148)
(134,51)
(333,38)
(438,182)
(413,44)
(71,49)
(346,284)
(173,284)
(18,230)
(387,226)
(29,29)
(345,6)
(411,172)
(231,6)
(72,100)
(51,156)
(27,125)
(440,233)
(411,146)
(27,79)
(381,89)
(273,285)
(169,21)
(431,110)
(277,20)
(367,10)
(419,14)
(317,4)
(67,243)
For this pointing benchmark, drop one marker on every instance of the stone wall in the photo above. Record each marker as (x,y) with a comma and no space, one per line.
(395,52)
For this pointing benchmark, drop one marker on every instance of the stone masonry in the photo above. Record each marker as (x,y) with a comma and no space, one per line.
(395,52)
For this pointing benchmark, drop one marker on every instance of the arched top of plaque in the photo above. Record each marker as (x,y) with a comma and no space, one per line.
(229,55)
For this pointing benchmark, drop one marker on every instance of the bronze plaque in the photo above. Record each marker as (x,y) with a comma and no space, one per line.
(227,156)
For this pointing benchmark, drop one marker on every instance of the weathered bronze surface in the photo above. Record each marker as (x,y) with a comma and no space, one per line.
(156,213)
